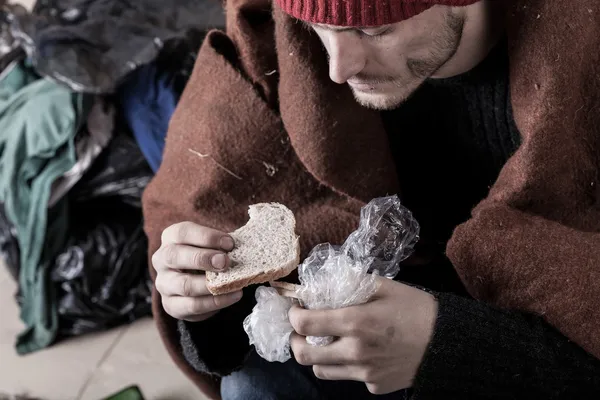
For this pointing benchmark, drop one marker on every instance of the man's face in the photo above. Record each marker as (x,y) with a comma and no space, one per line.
(384,65)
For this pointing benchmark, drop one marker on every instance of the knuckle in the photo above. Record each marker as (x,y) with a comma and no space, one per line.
(219,301)
(302,356)
(211,303)
(156,260)
(201,235)
(367,321)
(200,259)
(164,236)
(353,328)
(182,231)
(159,284)
(353,322)
(320,372)
(186,285)
(368,374)
(193,307)
(355,352)
(187,308)
(170,254)
(301,325)
(169,234)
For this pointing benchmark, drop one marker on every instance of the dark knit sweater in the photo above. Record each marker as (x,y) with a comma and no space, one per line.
(450,140)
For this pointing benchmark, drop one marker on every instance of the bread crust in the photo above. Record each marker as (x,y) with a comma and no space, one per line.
(286,289)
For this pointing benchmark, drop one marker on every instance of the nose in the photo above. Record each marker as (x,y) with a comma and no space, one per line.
(347,56)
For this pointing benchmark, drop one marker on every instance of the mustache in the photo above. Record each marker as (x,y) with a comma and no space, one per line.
(373,79)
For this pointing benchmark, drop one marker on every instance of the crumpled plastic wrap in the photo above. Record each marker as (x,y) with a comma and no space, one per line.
(334,277)
(268,327)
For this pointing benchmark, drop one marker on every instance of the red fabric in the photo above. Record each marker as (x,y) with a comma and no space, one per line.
(361,13)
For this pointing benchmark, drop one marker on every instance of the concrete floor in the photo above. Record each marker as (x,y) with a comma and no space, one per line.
(90,367)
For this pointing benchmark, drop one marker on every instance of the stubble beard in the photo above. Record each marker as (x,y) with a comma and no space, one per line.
(382,101)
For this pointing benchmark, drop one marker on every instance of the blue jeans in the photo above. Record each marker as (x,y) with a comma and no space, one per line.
(262,380)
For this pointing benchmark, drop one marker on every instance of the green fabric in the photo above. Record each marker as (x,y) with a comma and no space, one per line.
(38,123)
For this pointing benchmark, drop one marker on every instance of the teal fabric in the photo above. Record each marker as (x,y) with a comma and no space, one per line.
(38,122)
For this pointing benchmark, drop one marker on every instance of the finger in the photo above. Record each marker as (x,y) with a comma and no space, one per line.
(181,256)
(342,351)
(197,235)
(338,322)
(340,373)
(172,283)
(189,307)
(199,318)
(387,387)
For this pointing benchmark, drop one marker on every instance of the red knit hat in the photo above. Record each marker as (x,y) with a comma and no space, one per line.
(361,12)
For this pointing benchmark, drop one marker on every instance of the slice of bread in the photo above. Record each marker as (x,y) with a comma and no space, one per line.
(266,249)
(286,289)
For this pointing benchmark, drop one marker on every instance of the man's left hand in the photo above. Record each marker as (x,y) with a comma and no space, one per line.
(380,343)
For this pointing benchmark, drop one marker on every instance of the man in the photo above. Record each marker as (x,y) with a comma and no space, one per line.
(437,125)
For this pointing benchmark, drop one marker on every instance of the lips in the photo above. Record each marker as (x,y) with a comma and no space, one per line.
(363,86)
(361,83)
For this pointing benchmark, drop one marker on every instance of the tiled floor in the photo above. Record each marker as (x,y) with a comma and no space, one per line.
(91,367)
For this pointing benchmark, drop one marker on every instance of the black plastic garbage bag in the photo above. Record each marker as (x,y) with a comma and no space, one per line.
(120,171)
(91,45)
(101,277)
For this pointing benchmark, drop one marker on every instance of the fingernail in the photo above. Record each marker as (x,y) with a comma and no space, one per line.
(218,261)
(227,243)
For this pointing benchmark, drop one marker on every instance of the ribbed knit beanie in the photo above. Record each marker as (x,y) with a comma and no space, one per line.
(361,13)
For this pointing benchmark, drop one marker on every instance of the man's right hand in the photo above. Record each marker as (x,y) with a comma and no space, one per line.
(186,252)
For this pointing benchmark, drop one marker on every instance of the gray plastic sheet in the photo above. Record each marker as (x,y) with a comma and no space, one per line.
(91,45)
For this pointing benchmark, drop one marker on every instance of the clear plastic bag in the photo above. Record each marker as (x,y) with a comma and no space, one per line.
(268,327)
(334,277)
(337,277)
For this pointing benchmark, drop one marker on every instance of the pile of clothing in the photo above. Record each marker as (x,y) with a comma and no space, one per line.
(87,89)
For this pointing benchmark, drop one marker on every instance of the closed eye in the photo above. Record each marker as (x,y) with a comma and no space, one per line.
(376,32)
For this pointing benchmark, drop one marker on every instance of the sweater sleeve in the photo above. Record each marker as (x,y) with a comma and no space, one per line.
(219,345)
(481,352)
